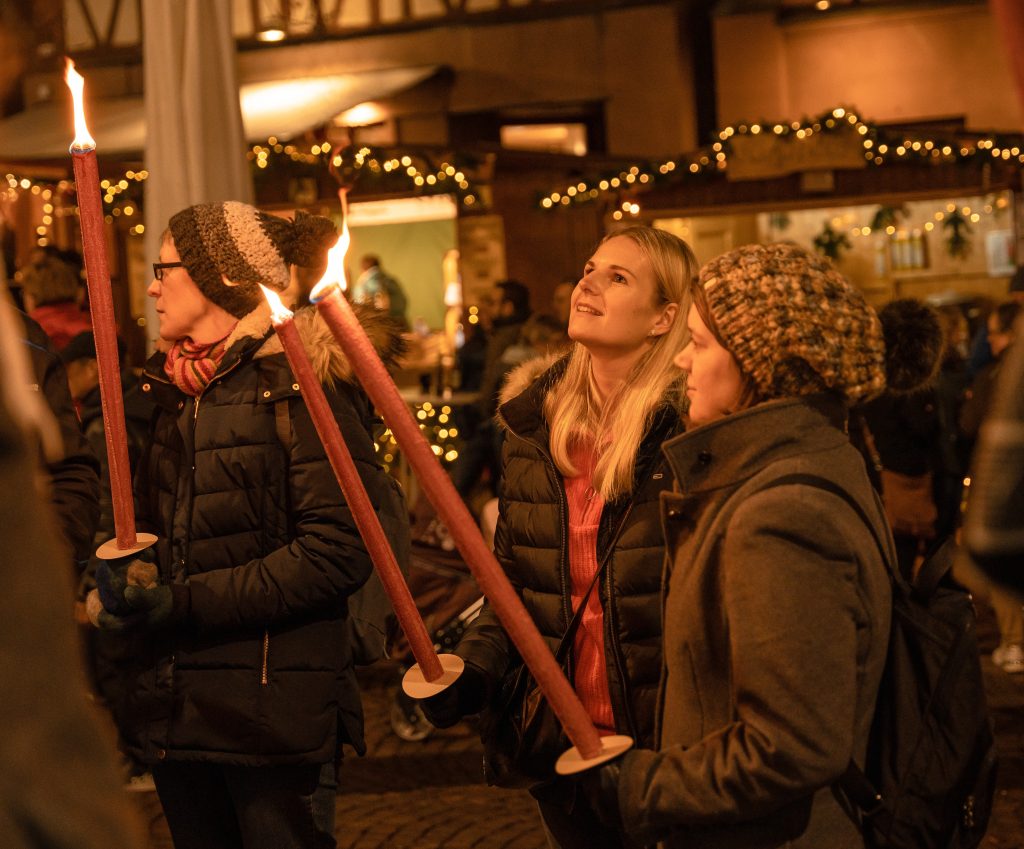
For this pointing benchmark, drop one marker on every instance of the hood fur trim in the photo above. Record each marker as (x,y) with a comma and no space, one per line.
(328,360)
(522,376)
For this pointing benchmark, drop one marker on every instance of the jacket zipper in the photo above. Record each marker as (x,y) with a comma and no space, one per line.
(264,680)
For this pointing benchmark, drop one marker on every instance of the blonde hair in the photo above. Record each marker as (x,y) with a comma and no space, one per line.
(572,406)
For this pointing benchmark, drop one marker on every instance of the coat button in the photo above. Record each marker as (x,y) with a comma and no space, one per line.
(146,387)
(704,458)
(266,394)
(295,386)
(181,405)
(161,753)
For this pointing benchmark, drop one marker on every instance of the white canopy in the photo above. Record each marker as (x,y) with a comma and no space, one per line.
(282,108)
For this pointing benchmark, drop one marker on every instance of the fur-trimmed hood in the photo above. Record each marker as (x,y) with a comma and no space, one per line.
(525,374)
(325,354)
(524,377)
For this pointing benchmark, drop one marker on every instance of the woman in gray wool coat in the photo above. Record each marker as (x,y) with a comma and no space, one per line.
(777,595)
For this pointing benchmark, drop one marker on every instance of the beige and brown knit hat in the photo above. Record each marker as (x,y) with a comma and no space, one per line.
(794,324)
(248,247)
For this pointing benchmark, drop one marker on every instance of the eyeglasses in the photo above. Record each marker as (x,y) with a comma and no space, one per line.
(158,268)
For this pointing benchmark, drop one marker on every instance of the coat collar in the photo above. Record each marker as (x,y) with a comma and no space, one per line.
(521,410)
(253,337)
(739,446)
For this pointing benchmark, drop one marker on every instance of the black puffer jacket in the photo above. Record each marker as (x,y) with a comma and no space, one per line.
(531,545)
(262,672)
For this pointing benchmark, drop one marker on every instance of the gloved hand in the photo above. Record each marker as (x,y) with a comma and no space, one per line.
(463,698)
(600,787)
(154,607)
(114,576)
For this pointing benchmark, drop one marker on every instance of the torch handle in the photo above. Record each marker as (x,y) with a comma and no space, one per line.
(358,501)
(450,507)
(104,328)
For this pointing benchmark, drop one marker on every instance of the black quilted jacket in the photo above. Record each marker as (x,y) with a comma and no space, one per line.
(261,673)
(531,545)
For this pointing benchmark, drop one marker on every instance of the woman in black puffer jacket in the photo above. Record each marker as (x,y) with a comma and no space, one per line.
(578,518)
(241,686)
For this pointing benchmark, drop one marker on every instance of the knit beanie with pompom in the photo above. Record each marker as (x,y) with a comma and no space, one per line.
(238,242)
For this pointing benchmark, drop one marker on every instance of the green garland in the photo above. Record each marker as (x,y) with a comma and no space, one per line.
(830,243)
(882,146)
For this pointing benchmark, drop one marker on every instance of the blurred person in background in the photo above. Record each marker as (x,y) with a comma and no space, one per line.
(60,788)
(994,524)
(53,293)
(982,399)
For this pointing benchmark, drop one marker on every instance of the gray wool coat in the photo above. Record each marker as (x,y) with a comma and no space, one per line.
(776,623)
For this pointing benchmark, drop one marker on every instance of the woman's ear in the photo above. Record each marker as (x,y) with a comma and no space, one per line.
(665,320)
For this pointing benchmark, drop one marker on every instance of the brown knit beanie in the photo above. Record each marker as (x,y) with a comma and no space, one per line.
(248,247)
(794,324)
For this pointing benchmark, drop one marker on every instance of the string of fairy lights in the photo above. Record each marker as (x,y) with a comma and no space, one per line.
(880,146)
(971,214)
(122,197)
(356,162)
(437,425)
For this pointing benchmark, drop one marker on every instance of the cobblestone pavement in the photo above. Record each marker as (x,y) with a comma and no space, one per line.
(429,794)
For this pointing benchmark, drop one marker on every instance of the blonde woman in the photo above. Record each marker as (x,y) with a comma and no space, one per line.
(578,520)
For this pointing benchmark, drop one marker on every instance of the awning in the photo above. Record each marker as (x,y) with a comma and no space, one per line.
(282,108)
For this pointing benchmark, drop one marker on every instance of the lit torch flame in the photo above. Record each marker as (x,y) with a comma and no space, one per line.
(75,81)
(279,313)
(335,273)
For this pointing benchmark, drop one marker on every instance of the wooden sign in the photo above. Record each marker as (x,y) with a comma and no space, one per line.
(767,155)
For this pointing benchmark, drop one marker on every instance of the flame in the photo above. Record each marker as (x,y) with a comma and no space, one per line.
(279,313)
(75,81)
(335,273)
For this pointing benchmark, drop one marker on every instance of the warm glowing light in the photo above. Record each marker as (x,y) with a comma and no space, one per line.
(279,313)
(335,273)
(272,34)
(75,82)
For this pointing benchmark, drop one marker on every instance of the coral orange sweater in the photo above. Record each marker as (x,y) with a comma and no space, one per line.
(591,674)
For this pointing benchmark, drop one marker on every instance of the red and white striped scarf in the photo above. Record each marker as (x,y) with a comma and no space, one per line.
(191,367)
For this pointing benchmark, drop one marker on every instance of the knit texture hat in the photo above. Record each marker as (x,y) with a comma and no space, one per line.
(248,247)
(794,324)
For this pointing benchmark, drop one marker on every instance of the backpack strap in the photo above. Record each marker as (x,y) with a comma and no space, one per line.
(885,546)
(854,783)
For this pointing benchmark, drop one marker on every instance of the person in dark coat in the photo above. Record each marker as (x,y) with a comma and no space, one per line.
(60,787)
(994,524)
(74,473)
(777,597)
(242,690)
(581,480)
(509,309)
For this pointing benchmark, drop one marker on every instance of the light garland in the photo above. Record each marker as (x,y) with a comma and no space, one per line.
(121,197)
(880,145)
(437,426)
(447,179)
(972,214)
